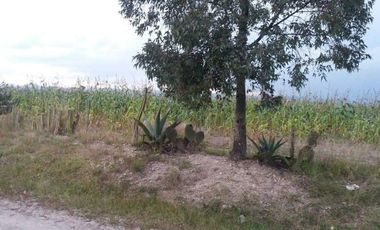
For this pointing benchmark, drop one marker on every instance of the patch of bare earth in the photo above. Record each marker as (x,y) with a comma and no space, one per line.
(200,179)
(28,215)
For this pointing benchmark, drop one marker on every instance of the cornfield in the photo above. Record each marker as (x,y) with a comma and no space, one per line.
(116,107)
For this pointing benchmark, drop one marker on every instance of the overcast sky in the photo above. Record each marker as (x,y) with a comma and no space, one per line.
(61,41)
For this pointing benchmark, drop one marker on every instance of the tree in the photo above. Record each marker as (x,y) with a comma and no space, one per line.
(221,45)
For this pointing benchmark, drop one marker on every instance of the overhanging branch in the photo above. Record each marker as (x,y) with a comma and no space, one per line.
(275,23)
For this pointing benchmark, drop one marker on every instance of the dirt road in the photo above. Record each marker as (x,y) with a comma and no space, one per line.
(31,216)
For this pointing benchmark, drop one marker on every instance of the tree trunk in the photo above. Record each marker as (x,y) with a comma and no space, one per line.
(239,149)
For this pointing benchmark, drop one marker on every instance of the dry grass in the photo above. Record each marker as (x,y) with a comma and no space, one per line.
(362,153)
(97,172)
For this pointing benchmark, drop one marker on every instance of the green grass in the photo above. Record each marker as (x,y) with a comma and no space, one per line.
(326,181)
(35,164)
(117,107)
(67,180)
(51,170)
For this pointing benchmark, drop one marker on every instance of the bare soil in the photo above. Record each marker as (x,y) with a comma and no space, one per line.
(196,178)
(200,179)
(28,215)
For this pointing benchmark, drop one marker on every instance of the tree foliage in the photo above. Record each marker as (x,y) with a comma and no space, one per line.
(193,42)
(198,46)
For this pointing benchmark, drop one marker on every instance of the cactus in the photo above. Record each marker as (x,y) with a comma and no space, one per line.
(192,136)
(306,153)
(171,134)
(189,132)
(199,136)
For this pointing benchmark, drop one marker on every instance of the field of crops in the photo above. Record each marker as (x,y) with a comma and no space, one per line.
(116,108)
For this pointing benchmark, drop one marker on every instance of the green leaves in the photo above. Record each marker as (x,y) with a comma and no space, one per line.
(194,43)
(266,149)
(203,46)
(267,146)
(156,131)
(6,102)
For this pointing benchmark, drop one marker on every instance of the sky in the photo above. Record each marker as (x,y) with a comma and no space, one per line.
(55,41)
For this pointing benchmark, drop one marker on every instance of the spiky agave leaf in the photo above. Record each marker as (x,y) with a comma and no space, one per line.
(175,124)
(147,132)
(257,145)
(157,132)
(162,123)
(280,161)
(254,142)
(267,147)
(279,144)
(151,128)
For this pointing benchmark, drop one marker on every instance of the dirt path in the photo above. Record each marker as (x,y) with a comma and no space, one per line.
(30,216)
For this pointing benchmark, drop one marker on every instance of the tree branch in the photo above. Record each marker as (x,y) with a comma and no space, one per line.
(273,22)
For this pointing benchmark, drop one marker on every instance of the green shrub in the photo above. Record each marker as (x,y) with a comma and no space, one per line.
(156,131)
(266,149)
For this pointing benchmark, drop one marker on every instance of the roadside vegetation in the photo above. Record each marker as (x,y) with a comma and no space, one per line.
(93,168)
(116,108)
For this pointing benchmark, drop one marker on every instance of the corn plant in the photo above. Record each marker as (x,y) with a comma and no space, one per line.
(5,101)
(115,107)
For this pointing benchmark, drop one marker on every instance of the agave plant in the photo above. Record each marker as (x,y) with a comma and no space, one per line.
(266,149)
(156,131)
(269,146)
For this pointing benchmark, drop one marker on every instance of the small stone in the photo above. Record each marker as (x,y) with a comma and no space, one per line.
(226,206)
(352,187)
(242,219)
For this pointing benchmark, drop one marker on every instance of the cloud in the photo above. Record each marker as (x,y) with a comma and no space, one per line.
(55,40)
(65,38)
